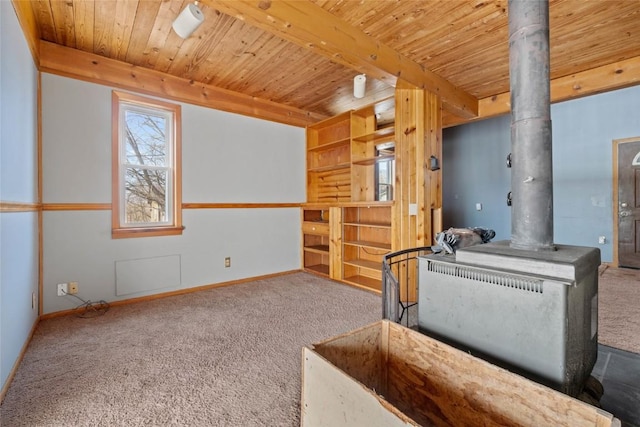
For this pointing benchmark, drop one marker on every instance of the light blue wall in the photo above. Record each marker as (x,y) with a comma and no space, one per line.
(474,169)
(18,183)
(226,158)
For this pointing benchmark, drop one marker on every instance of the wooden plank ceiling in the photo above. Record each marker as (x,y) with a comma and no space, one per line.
(302,55)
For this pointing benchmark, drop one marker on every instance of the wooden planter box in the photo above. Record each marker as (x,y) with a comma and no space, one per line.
(387,375)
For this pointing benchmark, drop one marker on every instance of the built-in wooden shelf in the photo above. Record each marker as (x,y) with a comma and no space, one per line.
(364,263)
(368,244)
(332,144)
(315,239)
(380,135)
(320,249)
(365,282)
(372,160)
(318,268)
(333,167)
(369,224)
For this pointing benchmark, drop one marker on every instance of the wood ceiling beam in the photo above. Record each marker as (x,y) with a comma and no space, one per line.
(617,75)
(86,66)
(310,26)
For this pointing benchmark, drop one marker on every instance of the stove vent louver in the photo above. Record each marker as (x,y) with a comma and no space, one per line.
(477,275)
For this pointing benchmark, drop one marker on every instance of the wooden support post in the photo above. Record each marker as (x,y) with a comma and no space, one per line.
(335,243)
(418,190)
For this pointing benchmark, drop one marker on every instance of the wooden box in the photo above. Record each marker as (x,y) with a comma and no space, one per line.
(387,375)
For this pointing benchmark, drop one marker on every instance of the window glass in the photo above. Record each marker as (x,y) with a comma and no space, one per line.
(385,172)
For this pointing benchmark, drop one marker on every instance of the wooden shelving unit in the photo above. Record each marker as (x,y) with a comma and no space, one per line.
(342,154)
(366,238)
(315,239)
(329,160)
(366,135)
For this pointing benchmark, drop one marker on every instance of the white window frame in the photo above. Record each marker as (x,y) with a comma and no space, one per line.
(121,103)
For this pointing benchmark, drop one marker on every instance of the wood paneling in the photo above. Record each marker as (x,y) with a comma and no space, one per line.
(239,205)
(417,212)
(301,56)
(76,206)
(467,41)
(597,80)
(6,206)
(85,66)
(305,24)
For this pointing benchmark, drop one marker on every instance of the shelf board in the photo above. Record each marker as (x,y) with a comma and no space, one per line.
(318,268)
(365,204)
(365,282)
(332,121)
(330,167)
(369,224)
(319,249)
(331,144)
(368,244)
(379,134)
(372,160)
(363,263)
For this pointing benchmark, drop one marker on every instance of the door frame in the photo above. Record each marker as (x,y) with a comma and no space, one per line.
(616,145)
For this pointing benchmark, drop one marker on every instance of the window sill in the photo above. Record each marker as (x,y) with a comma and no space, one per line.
(124,233)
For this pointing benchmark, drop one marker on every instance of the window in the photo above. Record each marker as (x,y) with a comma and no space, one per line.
(146,178)
(385,172)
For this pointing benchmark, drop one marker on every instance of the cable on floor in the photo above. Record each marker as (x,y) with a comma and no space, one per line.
(89,308)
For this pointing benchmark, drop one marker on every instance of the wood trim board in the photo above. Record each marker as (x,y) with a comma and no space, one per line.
(93,68)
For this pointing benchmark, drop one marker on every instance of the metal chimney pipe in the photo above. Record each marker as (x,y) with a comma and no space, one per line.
(531,174)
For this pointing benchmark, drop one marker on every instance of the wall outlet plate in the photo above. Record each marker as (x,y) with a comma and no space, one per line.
(62,289)
(227,262)
(73,288)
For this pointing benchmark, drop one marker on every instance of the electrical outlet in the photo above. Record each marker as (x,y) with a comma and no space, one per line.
(62,289)
(602,240)
(227,262)
(33,300)
(73,288)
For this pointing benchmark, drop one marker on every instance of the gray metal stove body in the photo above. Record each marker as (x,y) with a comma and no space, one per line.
(533,312)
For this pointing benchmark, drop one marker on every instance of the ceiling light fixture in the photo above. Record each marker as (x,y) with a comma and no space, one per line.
(188,20)
(359,83)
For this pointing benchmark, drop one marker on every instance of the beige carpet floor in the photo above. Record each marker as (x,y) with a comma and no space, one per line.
(224,357)
(619,308)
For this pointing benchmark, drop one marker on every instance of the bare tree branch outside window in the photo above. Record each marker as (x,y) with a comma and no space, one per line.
(146,168)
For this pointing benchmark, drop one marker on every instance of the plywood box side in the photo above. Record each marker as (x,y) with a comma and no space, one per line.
(431,383)
(332,398)
(435,383)
(358,355)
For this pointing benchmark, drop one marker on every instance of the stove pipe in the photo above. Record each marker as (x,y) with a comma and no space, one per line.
(532,177)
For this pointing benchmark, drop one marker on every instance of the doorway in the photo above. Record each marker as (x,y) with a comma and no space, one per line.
(626,202)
